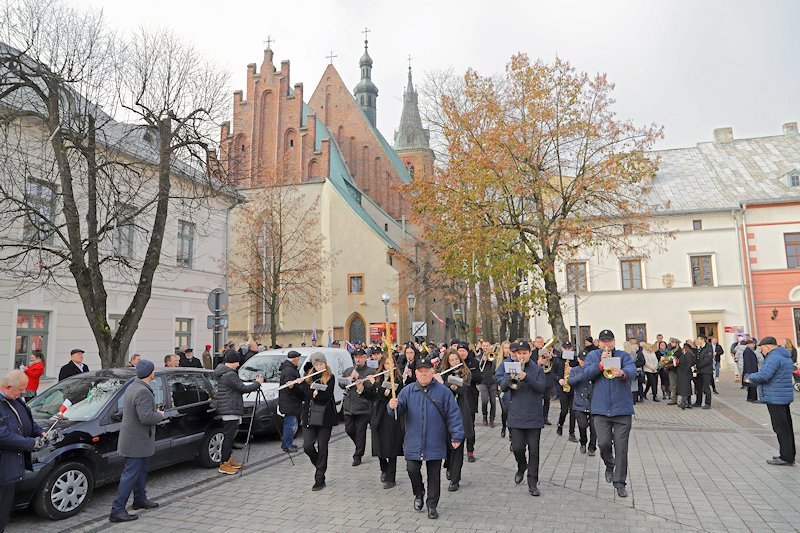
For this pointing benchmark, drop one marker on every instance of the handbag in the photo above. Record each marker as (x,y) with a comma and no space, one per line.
(316,414)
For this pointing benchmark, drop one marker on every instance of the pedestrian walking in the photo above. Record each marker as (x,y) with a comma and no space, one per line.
(582,406)
(612,407)
(19,436)
(356,408)
(705,372)
(290,399)
(230,406)
(387,431)
(526,414)
(318,416)
(458,382)
(775,383)
(487,389)
(137,442)
(432,424)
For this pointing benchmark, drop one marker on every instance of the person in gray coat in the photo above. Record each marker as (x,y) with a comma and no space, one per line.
(137,442)
(356,408)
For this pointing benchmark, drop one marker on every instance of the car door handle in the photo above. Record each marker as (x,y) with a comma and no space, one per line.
(211,410)
(163,422)
(176,415)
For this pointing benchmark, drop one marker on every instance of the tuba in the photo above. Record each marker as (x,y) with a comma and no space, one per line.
(607,372)
(547,367)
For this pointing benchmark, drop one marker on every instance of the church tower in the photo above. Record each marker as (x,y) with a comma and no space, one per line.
(366,93)
(411,141)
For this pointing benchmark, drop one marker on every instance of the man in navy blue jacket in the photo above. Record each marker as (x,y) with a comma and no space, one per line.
(612,407)
(431,414)
(18,432)
(525,414)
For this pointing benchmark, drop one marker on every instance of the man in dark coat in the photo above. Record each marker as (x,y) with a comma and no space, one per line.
(717,350)
(525,415)
(19,436)
(637,354)
(230,406)
(488,386)
(356,408)
(431,418)
(189,360)
(705,371)
(750,366)
(75,365)
(290,400)
(565,398)
(137,442)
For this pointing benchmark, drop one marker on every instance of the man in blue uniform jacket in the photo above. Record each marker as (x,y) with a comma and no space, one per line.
(432,422)
(612,407)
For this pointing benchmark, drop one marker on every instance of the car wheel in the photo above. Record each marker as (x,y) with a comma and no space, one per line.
(64,492)
(210,454)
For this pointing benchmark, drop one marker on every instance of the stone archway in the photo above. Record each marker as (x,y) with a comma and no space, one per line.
(356,328)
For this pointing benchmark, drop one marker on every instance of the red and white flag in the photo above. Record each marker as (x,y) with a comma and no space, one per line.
(64,406)
(437,317)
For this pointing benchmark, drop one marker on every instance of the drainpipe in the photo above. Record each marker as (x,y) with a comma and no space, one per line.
(741,269)
(752,306)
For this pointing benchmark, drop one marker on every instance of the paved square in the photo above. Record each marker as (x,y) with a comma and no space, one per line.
(693,470)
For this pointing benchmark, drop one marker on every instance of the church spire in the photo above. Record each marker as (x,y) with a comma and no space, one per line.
(411,135)
(366,93)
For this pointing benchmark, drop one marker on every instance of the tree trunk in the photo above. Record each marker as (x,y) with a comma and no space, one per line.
(554,316)
(472,313)
(487,322)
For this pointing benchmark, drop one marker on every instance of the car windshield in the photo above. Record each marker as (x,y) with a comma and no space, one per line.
(267,365)
(88,397)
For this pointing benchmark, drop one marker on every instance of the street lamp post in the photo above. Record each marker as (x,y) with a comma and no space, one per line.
(412,302)
(458,315)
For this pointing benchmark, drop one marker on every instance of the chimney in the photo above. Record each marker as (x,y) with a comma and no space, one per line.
(790,128)
(723,135)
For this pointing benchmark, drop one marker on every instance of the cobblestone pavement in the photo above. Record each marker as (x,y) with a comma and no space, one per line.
(716,479)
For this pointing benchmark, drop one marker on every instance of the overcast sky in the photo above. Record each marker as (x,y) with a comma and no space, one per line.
(688,65)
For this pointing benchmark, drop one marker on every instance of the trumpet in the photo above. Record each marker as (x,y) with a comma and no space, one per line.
(608,373)
(513,381)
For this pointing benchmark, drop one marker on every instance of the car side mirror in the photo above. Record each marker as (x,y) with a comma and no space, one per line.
(116,416)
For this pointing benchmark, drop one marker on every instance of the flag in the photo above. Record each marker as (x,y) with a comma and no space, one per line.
(64,406)
(313,334)
(437,317)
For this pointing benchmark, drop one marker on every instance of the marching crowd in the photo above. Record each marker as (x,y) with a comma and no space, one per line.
(421,403)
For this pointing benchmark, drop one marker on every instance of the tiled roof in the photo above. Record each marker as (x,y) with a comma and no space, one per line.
(720,175)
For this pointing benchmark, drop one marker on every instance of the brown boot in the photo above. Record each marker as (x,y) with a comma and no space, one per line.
(234,464)
(226,468)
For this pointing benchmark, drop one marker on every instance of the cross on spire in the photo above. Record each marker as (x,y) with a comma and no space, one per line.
(331,57)
(366,34)
(409,61)
(268,41)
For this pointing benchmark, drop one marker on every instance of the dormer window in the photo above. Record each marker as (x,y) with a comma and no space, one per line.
(794,179)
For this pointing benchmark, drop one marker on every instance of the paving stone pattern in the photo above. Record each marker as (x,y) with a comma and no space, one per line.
(693,470)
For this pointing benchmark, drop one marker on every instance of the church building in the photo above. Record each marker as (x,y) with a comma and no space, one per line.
(330,151)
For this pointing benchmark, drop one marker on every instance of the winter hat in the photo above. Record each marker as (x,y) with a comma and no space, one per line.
(232,356)
(144,368)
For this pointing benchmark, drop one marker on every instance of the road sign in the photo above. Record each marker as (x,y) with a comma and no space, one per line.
(218,301)
(419,329)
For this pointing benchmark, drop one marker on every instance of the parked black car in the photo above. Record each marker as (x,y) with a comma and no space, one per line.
(84,455)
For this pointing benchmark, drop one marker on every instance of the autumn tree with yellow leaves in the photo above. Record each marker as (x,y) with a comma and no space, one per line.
(537,165)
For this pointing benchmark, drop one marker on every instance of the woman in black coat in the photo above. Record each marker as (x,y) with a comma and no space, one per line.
(387,431)
(750,366)
(410,355)
(455,457)
(318,416)
(686,360)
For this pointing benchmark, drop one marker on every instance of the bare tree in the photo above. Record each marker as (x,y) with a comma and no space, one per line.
(80,192)
(279,259)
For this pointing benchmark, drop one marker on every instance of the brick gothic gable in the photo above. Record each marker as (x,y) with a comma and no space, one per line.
(271,141)
(366,154)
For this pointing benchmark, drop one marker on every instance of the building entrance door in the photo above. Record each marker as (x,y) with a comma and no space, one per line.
(709,329)
(797,326)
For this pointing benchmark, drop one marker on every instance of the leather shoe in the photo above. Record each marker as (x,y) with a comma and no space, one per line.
(149,504)
(470,458)
(592,452)
(534,492)
(779,462)
(572,438)
(318,486)
(609,475)
(560,430)
(433,514)
(356,461)
(418,503)
(519,476)
(583,448)
(621,492)
(123,516)
(389,484)
(706,407)
(453,486)
(503,433)
(547,422)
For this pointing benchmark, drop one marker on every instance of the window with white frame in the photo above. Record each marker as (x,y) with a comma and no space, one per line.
(576,277)
(183,333)
(702,275)
(185,243)
(124,232)
(631,274)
